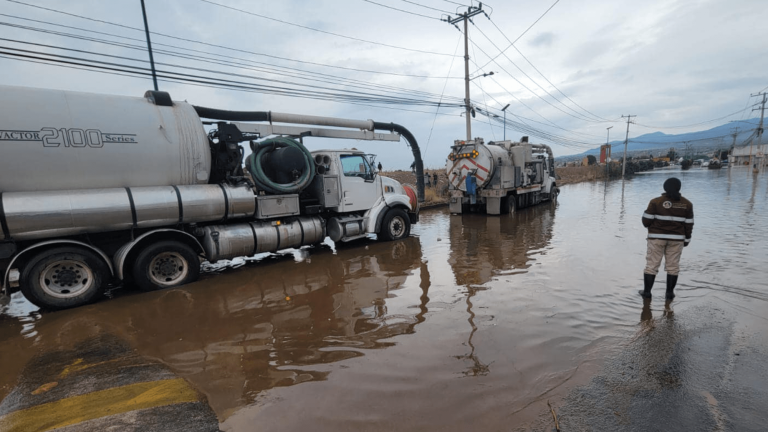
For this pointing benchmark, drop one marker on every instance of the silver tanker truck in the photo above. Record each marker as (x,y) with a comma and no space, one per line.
(97,189)
(499,177)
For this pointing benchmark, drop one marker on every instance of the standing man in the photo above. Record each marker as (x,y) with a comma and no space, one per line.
(379,166)
(669,219)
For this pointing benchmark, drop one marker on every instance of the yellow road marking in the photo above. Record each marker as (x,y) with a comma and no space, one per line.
(76,366)
(45,387)
(102,403)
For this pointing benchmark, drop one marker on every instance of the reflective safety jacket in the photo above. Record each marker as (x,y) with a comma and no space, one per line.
(668,219)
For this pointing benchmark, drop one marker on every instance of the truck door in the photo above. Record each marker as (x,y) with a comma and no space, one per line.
(359,184)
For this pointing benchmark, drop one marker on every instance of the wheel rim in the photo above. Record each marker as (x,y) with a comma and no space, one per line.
(397,226)
(168,269)
(66,278)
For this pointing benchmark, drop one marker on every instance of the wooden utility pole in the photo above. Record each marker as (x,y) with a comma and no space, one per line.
(759,128)
(626,142)
(471,11)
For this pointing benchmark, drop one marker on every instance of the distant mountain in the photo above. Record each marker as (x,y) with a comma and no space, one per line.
(717,137)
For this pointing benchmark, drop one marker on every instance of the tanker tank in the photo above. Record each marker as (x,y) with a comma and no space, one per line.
(47,135)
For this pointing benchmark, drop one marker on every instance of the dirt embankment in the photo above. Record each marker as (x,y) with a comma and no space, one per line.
(577,174)
(433,194)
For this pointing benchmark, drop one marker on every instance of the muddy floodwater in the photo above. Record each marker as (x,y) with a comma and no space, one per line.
(473,323)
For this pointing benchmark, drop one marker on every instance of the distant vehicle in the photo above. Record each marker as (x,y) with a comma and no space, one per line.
(499,177)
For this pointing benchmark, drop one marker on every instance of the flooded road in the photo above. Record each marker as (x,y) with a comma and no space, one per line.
(473,323)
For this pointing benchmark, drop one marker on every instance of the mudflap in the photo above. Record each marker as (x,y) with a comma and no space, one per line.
(455,205)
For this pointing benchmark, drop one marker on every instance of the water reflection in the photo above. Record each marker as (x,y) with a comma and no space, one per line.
(261,326)
(483,247)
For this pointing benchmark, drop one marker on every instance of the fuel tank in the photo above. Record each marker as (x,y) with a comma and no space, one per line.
(59,140)
(248,239)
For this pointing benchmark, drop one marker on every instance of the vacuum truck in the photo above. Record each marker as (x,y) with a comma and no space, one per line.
(499,177)
(97,190)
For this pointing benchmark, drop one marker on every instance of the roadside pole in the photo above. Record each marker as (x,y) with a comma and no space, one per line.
(626,142)
(759,130)
(471,11)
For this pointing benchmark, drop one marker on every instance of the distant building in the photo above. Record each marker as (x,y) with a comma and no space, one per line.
(740,155)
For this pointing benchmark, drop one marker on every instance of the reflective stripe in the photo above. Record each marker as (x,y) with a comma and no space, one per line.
(671,218)
(666,236)
(667,218)
(687,240)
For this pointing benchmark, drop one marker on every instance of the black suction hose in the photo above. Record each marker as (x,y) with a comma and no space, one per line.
(217,114)
(411,140)
(254,116)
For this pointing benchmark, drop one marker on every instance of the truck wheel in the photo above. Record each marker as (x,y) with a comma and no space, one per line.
(511,204)
(165,264)
(64,277)
(396,225)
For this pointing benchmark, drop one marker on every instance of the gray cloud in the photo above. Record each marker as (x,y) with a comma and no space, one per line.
(671,62)
(542,40)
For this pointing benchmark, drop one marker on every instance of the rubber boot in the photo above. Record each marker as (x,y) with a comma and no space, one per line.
(671,282)
(648,280)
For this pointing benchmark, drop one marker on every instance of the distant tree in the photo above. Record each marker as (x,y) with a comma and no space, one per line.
(591,160)
(672,155)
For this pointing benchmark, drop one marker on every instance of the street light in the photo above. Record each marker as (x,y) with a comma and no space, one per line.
(483,75)
(607,143)
(504,110)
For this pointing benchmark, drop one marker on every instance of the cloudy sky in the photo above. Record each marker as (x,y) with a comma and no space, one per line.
(677,65)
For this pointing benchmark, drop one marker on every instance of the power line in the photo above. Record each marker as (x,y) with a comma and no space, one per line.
(245,12)
(693,124)
(512,44)
(322,31)
(323,78)
(429,138)
(526,87)
(204,43)
(399,10)
(522,34)
(268,89)
(425,6)
(172,80)
(485,102)
(577,114)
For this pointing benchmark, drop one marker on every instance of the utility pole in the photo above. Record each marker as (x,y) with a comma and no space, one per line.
(759,128)
(734,134)
(626,142)
(149,44)
(471,11)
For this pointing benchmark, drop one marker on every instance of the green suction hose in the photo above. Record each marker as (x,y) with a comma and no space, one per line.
(263,182)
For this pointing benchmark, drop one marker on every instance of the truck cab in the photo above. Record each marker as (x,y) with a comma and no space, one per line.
(353,189)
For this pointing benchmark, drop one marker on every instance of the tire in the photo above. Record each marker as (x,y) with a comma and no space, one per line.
(64,277)
(165,264)
(511,204)
(396,225)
